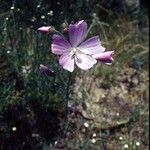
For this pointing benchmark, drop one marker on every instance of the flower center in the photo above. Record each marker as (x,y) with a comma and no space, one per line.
(73,50)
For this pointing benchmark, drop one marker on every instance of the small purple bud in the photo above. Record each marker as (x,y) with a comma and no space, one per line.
(46,29)
(105,57)
(66,30)
(46,71)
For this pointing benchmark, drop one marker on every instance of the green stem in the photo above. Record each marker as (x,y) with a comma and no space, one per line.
(91,26)
(67,92)
(58,32)
(67,100)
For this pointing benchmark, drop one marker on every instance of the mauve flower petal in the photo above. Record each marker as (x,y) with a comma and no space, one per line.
(91,46)
(84,61)
(44,29)
(77,33)
(67,62)
(105,57)
(60,45)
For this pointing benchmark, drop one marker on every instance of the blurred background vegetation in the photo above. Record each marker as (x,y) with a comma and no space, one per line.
(32,105)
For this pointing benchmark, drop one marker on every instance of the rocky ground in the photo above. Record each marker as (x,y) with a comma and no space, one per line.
(113,116)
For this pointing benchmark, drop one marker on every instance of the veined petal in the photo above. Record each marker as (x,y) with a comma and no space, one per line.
(77,32)
(84,61)
(60,45)
(67,62)
(91,46)
(105,57)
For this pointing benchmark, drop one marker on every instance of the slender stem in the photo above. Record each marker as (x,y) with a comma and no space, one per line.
(91,26)
(103,30)
(58,32)
(67,92)
(67,100)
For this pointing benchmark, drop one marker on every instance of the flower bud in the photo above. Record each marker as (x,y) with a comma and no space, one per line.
(66,30)
(105,57)
(46,71)
(46,29)
(65,27)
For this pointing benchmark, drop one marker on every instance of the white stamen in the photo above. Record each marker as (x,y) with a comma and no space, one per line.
(73,50)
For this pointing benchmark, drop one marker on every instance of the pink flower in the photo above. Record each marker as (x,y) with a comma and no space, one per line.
(46,29)
(75,51)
